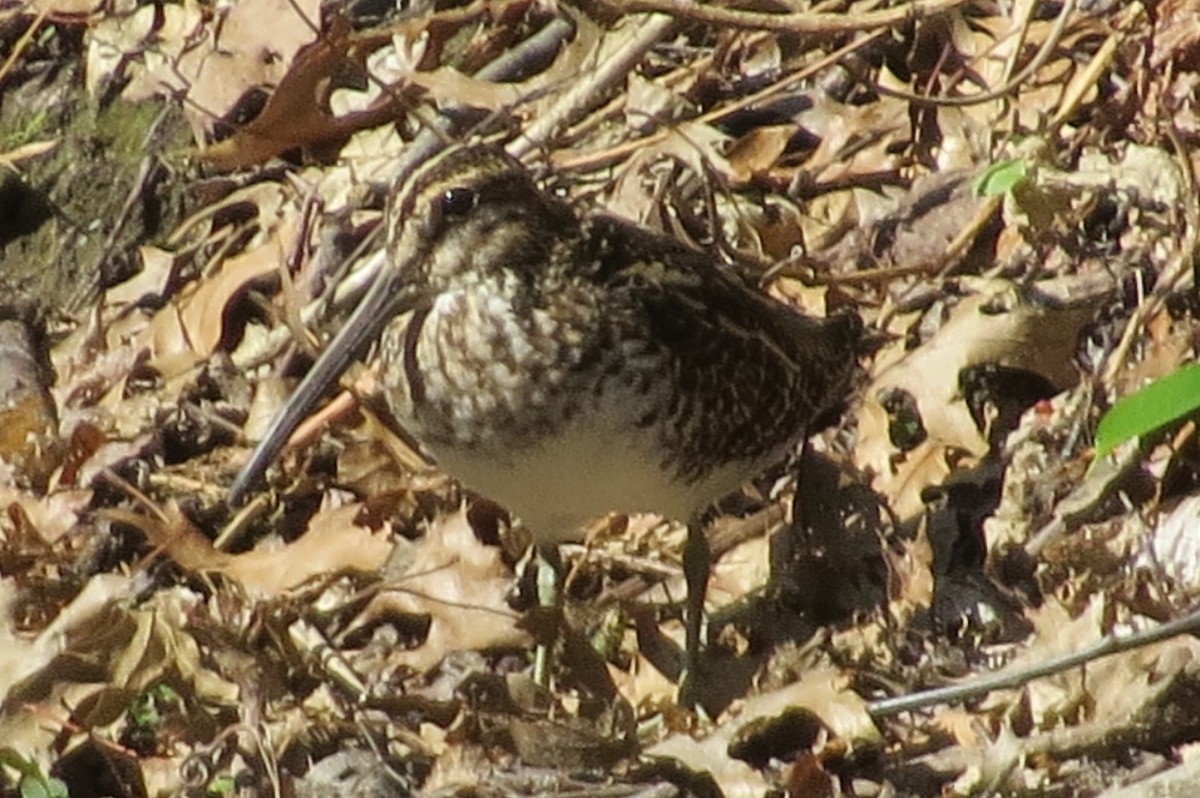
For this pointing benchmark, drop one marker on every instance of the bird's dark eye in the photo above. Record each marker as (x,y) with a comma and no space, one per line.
(458,201)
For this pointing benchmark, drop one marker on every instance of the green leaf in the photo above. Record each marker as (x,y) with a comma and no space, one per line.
(33,784)
(41,787)
(221,786)
(143,712)
(1000,177)
(1167,399)
(165,693)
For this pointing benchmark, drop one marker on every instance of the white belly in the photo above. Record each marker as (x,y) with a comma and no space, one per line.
(586,471)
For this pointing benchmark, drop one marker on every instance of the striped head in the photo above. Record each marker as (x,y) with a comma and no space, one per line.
(468,214)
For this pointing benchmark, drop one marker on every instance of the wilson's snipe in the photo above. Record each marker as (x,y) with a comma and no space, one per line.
(568,367)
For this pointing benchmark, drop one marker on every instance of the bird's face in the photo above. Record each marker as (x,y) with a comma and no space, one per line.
(470,214)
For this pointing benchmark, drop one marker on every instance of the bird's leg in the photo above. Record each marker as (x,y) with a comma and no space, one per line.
(695,570)
(547,576)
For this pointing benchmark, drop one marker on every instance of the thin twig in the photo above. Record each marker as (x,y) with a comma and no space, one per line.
(582,96)
(798,22)
(972,688)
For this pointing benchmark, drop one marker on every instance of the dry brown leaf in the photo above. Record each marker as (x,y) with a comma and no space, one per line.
(776,224)
(94,658)
(462,585)
(20,657)
(741,570)
(641,683)
(28,670)
(962,726)
(121,46)
(62,8)
(1173,550)
(158,267)
(232,53)
(447,84)
(755,57)
(1112,692)
(908,474)
(698,146)
(910,577)
(193,322)
(994,326)
(824,692)
(332,543)
(50,516)
(710,755)
(855,140)
(758,151)
(1176,34)
(298,112)
(649,104)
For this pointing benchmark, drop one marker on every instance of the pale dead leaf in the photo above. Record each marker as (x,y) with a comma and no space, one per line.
(158,267)
(192,323)
(909,474)
(447,84)
(121,44)
(28,670)
(698,146)
(50,516)
(1173,550)
(63,8)
(740,571)
(649,104)
(333,542)
(910,577)
(758,151)
(270,394)
(298,113)
(855,140)
(827,693)
(808,299)
(94,657)
(776,224)
(1112,691)
(756,56)
(115,451)
(462,585)
(711,756)
(20,657)
(962,726)
(33,149)
(213,61)
(994,326)
(641,683)
(1176,32)
(824,692)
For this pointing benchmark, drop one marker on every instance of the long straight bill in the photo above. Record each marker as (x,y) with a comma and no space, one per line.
(381,303)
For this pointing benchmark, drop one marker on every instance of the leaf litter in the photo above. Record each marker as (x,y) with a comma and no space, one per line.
(358,625)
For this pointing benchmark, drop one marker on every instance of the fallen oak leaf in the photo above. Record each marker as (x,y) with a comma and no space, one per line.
(298,113)
(332,543)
